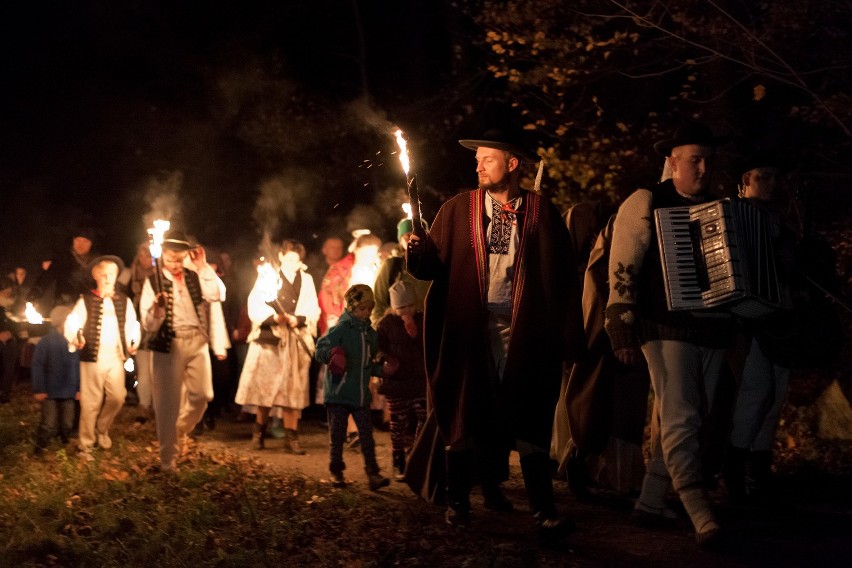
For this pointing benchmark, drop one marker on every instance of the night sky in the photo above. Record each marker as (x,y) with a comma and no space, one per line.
(116,111)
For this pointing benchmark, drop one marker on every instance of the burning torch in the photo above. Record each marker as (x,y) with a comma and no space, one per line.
(155,245)
(411,182)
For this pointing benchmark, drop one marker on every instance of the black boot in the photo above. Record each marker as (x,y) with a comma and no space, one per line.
(539,485)
(258,435)
(399,465)
(734,473)
(458,488)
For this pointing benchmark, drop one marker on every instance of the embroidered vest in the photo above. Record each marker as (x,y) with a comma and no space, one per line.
(162,340)
(94,320)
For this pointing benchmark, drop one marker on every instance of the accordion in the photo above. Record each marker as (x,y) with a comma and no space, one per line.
(718,255)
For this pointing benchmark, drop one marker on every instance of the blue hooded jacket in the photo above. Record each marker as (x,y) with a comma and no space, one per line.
(359,341)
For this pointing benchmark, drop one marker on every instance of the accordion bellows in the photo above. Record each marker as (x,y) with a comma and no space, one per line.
(718,255)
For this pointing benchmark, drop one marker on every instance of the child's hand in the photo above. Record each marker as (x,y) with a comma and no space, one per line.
(40,396)
(337,362)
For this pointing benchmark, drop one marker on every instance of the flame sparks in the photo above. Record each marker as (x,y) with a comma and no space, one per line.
(156,237)
(32,314)
(403,150)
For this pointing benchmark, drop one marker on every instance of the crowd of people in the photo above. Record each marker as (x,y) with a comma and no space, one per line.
(504,326)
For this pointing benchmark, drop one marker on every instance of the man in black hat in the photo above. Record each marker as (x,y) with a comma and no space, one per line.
(684,352)
(104,328)
(175,312)
(69,271)
(502,315)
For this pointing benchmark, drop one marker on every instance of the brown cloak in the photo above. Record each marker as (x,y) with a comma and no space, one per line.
(546,321)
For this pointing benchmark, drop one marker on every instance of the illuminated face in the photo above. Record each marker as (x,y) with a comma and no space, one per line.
(20,274)
(81,245)
(363,311)
(367,255)
(761,183)
(690,165)
(405,311)
(332,250)
(290,262)
(493,168)
(105,273)
(173,260)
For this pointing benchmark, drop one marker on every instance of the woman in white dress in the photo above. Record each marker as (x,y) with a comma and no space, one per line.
(283,309)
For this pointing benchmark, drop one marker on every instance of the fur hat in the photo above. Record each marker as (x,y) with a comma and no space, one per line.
(357,295)
(401,294)
(690,133)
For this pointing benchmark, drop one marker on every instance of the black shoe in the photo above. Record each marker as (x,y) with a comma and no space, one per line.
(552,530)
(496,501)
(457,516)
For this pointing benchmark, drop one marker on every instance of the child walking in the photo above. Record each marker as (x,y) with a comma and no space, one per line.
(103,327)
(349,349)
(56,382)
(401,341)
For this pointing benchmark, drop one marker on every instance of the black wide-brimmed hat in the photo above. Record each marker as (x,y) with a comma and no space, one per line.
(177,241)
(690,133)
(764,159)
(502,140)
(106,258)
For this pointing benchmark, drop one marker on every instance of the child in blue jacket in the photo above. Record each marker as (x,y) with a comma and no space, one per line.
(56,382)
(349,349)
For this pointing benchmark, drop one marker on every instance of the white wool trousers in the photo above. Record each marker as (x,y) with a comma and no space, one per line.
(181,387)
(684,378)
(102,394)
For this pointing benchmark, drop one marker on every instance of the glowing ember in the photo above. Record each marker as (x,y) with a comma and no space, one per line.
(32,314)
(156,237)
(403,150)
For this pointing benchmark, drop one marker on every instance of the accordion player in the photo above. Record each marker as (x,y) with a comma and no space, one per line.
(718,255)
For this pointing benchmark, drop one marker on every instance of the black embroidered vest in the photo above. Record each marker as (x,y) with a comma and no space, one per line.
(94,320)
(162,340)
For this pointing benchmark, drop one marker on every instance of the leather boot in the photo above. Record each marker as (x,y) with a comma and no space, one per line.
(257,435)
(539,485)
(735,473)
(458,488)
(399,465)
(291,442)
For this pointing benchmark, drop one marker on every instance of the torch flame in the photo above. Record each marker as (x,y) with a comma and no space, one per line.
(406,207)
(156,237)
(403,150)
(268,282)
(32,314)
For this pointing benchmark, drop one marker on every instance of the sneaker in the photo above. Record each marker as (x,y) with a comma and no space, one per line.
(376,481)
(337,480)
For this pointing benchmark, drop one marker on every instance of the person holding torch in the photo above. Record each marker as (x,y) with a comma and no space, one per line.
(502,315)
(175,313)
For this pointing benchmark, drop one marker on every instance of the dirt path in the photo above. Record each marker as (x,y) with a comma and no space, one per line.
(812,526)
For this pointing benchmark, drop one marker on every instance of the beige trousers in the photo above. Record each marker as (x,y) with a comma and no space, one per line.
(181,387)
(102,393)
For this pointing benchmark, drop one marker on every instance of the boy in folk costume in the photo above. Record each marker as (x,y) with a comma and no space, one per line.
(175,310)
(103,327)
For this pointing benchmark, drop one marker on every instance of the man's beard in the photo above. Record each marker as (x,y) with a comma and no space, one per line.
(496,187)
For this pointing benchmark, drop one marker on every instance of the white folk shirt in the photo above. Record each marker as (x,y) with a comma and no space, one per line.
(501,267)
